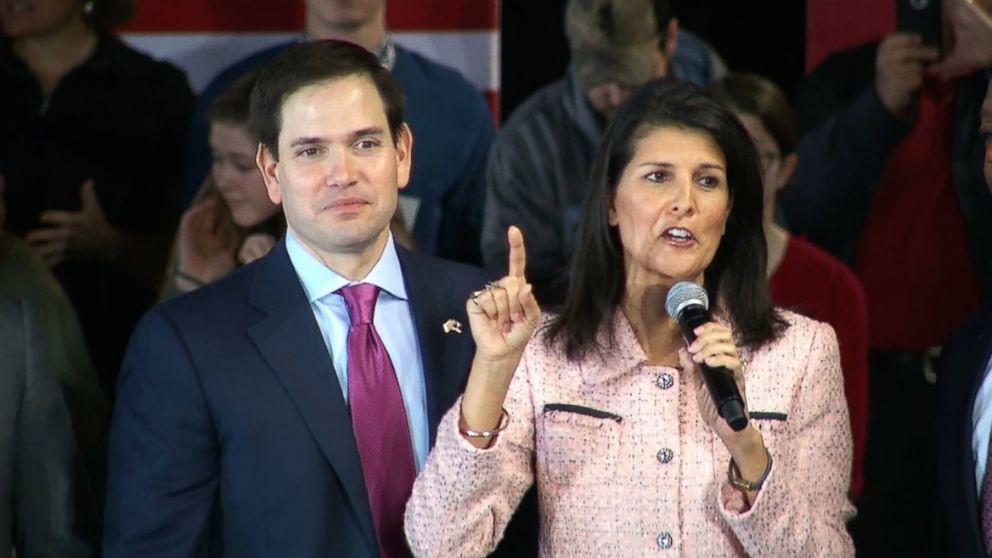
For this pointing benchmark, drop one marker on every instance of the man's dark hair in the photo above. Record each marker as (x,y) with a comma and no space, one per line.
(307,64)
(735,279)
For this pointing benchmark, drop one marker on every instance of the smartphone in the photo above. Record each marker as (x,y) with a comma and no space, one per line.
(921,17)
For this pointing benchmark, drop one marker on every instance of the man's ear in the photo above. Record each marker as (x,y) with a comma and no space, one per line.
(671,37)
(268,165)
(404,155)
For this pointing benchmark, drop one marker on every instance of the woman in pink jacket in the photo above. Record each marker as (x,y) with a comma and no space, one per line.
(606,409)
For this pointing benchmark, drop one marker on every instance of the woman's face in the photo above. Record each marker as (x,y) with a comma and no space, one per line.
(236,176)
(776,168)
(671,206)
(25,18)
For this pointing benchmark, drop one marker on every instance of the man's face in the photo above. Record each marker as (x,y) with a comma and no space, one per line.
(339,170)
(986,128)
(345,14)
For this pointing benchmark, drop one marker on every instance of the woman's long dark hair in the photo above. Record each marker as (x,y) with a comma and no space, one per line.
(736,276)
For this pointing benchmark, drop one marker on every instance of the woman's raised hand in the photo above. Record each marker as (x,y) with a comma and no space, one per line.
(504,315)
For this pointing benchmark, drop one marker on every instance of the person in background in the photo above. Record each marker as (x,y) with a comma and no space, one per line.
(92,156)
(964,420)
(232,220)
(37,451)
(802,277)
(447,114)
(605,410)
(24,277)
(537,172)
(889,180)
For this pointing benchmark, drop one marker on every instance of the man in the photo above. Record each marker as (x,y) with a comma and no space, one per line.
(964,422)
(890,181)
(537,171)
(37,451)
(249,415)
(453,125)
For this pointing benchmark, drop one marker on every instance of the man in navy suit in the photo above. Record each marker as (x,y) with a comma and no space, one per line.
(232,433)
(964,417)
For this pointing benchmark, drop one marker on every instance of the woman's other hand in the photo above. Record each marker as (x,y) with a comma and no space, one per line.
(207,242)
(255,246)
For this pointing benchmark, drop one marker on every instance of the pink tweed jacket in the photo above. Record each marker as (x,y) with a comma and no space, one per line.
(625,465)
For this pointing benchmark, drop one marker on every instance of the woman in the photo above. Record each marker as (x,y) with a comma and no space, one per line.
(605,410)
(232,221)
(92,154)
(802,277)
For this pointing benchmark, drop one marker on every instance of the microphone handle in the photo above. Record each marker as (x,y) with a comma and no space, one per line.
(718,379)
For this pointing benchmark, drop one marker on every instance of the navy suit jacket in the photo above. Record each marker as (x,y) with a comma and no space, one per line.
(962,370)
(231,429)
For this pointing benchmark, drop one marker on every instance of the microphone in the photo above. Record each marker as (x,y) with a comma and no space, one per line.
(688,304)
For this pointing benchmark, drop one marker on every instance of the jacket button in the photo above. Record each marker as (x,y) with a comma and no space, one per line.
(665,380)
(664,541)
(665,455)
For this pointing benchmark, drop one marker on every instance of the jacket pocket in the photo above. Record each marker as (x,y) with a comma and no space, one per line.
(577,445)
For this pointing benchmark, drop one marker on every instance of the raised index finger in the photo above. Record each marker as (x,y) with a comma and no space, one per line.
(518,257)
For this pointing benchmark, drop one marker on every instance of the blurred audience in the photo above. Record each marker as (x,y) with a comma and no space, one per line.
(92,157)
(37,452)
(232,221)
(964,420)
(890,180)
(453,126)
(538,168)
(24,276)
(803,278)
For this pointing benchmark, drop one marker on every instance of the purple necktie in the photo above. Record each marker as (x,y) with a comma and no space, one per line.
(379,420)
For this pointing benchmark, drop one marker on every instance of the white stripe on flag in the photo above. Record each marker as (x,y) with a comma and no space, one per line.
(202,55)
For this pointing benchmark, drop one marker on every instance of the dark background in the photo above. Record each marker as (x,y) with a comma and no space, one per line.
(767,38)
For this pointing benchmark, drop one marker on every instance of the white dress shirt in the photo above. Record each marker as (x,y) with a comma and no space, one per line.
(393,320)
(981,425)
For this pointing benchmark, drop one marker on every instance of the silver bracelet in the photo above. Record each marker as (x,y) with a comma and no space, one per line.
(504,421)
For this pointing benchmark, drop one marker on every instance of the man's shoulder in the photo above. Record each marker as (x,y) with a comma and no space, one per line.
(211,304)
(548,101)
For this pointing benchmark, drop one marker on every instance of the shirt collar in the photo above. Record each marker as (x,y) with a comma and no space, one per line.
(385,52)
(319,280)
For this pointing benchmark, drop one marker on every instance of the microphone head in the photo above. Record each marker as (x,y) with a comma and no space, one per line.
(684,294)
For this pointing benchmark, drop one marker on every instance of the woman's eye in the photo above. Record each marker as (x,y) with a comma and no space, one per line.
(656,176)
(709,181)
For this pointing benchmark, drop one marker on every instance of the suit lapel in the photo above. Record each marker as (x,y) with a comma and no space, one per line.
(290,341)
(429,307)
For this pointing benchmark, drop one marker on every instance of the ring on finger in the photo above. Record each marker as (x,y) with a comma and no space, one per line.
(475,296)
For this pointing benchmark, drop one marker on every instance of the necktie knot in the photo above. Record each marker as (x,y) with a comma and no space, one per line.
(360,300)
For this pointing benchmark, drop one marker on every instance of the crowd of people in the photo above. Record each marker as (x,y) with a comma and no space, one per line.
(221,335)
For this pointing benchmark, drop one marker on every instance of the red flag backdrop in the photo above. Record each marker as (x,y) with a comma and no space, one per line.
(204,36)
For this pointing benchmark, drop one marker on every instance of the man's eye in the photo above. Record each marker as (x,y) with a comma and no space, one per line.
(366,144)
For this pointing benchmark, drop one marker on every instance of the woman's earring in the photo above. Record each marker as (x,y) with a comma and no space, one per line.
(88,7)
